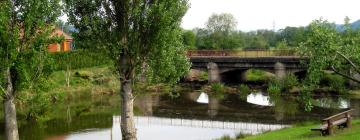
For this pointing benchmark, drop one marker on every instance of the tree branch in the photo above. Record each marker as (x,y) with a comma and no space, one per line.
(2,93)
(344,75)
(348,60)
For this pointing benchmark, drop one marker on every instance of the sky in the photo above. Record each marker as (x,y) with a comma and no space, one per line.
(267,14)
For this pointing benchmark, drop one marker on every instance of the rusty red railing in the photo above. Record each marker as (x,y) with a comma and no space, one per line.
(243,53)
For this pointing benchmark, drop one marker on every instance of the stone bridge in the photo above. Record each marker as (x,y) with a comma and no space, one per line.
(225,64)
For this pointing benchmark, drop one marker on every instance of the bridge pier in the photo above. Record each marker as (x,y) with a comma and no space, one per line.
(213,72)
(213,106)
(280,70)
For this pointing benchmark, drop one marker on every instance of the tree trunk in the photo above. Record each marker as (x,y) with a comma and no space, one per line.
(11,129)
(128,129)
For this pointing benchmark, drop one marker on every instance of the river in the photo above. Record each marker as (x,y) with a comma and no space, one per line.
(193,115)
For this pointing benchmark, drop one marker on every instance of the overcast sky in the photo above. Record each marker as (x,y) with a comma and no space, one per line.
(264,14)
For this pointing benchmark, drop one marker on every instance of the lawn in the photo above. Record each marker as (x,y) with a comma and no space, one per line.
(301,132)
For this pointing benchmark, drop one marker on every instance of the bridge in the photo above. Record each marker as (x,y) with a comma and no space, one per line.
(219,63)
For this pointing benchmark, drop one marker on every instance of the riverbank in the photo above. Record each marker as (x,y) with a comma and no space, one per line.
(302,131)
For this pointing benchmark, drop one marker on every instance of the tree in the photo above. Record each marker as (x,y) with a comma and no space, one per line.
(293,35)
(224,23)
(136,35)
(326,48)
(189,39)
(25,27)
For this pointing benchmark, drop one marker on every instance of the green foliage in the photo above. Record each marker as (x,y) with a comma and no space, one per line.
(257,75)
(141,36)
(37,105)
(281,45)
(189,39)
(274,89)
(244,89)
(204,76)
(293,36)
(321,46)
(276,86)
(335,82)
(24,37)
(290,81)
(326,48)
(79,59)
(218,88)
(221,23)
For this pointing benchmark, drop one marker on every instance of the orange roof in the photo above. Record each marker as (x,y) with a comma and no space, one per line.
(59,32)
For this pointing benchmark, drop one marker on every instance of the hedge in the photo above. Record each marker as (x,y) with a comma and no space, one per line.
(79,59)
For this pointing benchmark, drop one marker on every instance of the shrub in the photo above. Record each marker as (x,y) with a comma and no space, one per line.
(79,59)
(244,89)
(335,82)
(290,81)
(218,90)
(257,75)
(274,89)
(203,76)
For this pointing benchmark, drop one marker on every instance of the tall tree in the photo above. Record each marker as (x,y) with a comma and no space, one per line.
(136,34)
(327,48)
(224,23)
(189,39)
(25,27)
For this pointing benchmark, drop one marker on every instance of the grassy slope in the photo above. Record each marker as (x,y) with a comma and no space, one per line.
(303,132)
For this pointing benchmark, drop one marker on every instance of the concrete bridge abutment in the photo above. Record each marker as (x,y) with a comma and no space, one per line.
(280,70)
(213,73)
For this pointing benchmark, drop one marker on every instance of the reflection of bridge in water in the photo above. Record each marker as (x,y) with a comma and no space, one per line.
(244,127)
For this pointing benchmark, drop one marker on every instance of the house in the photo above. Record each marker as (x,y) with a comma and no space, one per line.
(63,46)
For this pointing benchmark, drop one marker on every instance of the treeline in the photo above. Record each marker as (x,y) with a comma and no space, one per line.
(202,38)
(221,33)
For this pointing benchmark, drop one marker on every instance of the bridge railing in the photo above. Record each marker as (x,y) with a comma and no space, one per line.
(242,53)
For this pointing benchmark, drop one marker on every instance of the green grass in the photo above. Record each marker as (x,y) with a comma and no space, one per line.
(302,132)
(257,75)
(93,90)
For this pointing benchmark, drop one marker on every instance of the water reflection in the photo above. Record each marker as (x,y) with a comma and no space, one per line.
(259,98)
(193,115)
(156,128)
(203,98)
(329,102)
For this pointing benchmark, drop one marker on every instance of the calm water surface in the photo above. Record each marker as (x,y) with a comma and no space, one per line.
(195,115)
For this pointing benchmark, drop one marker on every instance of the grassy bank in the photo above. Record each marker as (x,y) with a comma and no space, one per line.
(72,94)
(299,132)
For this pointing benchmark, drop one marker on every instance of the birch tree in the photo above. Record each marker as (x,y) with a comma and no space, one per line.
(136,34)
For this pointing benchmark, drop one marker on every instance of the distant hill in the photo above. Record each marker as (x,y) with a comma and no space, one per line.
(354,25)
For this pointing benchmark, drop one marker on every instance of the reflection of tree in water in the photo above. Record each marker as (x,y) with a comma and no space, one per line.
(145,103)
(284,106)
(331,102)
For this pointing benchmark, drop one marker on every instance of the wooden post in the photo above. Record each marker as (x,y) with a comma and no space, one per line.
(330,127)
(348,121)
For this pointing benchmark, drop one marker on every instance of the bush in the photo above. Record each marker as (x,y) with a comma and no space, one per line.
(244,89)
(79,59)
(274,89)
(218,88)
(277,86)
(257,75)
(335,82)
(290,81)
(203,76)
